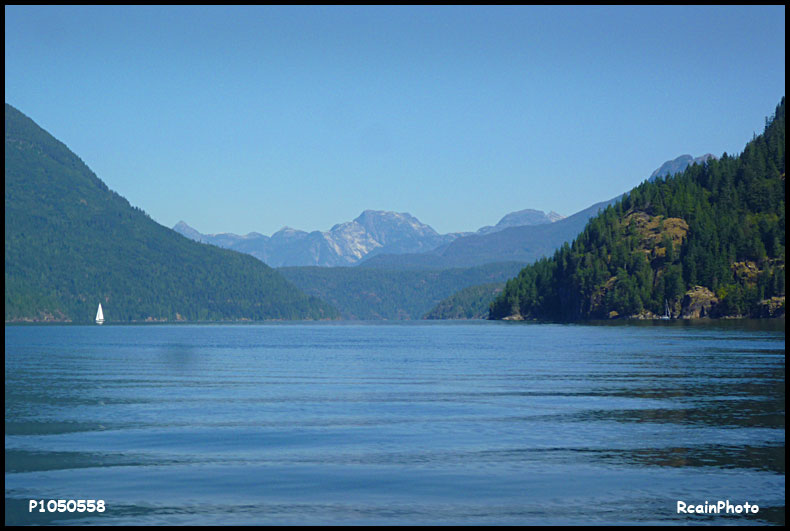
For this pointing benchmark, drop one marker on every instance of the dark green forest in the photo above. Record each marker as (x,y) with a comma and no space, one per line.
(706,242)
(370,293)
(472,302)
(71,243)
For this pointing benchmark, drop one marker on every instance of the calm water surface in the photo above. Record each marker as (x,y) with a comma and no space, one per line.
(410,423)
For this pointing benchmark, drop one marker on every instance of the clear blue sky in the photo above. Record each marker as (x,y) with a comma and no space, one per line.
(239,119)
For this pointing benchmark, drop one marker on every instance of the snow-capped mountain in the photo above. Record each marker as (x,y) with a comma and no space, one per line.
(373,232)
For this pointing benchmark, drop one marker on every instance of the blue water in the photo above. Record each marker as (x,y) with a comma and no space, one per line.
(407,423)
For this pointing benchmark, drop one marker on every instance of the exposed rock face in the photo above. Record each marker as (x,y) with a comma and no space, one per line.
(372,233)
(653,229)
(698,302)
(746,271)
(773,307)
(343,245)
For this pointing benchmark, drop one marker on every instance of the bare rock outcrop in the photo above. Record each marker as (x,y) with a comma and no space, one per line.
(698,302)
(771,308)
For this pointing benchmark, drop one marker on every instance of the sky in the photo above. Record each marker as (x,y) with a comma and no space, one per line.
(251,118)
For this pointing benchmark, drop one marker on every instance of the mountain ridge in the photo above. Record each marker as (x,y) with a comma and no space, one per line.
(71,243)
(522,243)
(678,165)
(392,240)
(707,242)
(372,233)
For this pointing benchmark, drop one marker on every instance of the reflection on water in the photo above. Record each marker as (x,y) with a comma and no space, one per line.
(414,423)
(769,458)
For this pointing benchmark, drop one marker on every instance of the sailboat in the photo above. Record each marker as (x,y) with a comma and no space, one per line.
(99,316)
(666,315)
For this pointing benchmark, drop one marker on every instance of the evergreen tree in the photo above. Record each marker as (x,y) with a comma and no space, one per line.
(734,208)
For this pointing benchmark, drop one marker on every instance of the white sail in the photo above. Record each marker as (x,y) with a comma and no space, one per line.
(99,316)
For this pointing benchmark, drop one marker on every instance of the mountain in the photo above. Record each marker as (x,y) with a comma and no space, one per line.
(524,243)
(521,218)
(185,230)
(372,232)
(367,293)
(678,165)
(708,242)
(527,243)
(71,243)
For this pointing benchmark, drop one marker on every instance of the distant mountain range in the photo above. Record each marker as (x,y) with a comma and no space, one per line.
(525,243)
(70,243)
(392,240)
(373,233)
(520,219)
(427,284)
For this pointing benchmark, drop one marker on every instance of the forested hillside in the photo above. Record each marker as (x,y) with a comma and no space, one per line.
(369,293)
(469,303)
(71,243)
(707,242)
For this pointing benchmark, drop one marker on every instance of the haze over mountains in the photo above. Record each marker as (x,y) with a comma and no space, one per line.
(521,218)
(392,240)
(71,242)
(373,233)
(342,245)
(671,167)
(524,243)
